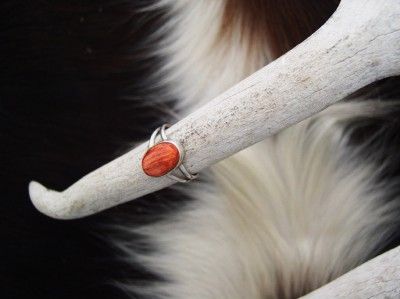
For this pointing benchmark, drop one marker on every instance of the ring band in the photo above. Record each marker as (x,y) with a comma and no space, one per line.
(164,157)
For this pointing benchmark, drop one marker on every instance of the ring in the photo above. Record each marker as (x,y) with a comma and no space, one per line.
(164,157)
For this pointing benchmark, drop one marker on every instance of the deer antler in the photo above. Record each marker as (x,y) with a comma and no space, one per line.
(358,45)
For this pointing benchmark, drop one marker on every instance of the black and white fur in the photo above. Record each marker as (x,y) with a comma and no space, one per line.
(276,220)
(280,218)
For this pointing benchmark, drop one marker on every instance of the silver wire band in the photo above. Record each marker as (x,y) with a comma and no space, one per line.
(160,131)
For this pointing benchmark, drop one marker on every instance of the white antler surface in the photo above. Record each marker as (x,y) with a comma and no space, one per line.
(358,45)
(378,278)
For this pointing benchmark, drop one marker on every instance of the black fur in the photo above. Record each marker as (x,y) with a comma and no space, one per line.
(74,93)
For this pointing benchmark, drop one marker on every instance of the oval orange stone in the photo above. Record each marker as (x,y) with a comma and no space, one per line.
(160,159)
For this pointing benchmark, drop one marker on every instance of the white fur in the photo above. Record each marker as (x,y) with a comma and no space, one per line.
(199,64)
(284,216)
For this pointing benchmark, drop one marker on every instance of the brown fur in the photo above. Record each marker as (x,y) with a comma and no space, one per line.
(280,24)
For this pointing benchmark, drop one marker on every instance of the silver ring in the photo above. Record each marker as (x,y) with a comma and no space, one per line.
(164,157)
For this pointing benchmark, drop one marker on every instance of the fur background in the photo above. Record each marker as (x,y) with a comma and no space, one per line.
(79,84)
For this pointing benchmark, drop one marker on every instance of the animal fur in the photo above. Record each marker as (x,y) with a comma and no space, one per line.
(80,82)
(282,217)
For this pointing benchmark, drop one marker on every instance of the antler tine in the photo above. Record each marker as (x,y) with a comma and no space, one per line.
(344,55)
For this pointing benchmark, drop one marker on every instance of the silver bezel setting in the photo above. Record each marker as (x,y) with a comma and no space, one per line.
(160,132)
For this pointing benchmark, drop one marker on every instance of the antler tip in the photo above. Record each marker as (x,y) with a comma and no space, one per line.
(44,201)
(36,191)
